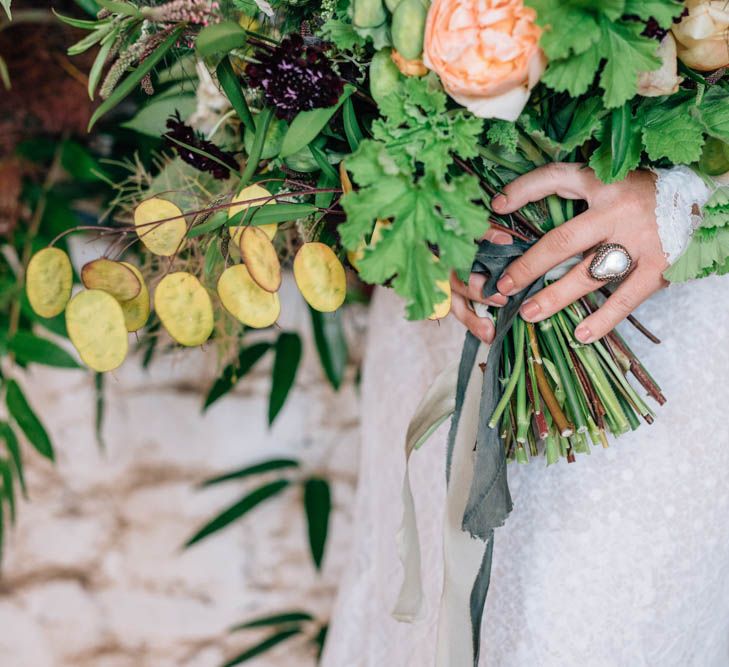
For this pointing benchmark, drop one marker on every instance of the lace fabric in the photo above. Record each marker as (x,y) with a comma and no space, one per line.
(620,559)
(680,196)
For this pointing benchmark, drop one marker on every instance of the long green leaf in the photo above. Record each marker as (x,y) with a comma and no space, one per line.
(262,647)
(263,122)
(131,81)
(233,91)
(239,509)
(330,344)
(248,471)
(321,159)
(88,41)
(288,356)
(13,446)
(25,417)
(307,125)
(100,405)
(220,38)
(318,506)
(351,126)
(29,348)
(83,24)
(275,619)
(6,474)
(620,137)
(232,373)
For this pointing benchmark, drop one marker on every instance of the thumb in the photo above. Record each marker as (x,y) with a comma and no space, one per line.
(568,180)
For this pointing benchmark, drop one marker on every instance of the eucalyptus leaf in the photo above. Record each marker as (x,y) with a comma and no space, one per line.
(231,87)
(288,356)
(6,475)
(220,38)
(255,469)
(308,124)
(24,416)
(13,446)
(239,509)
(318,506)
(275,619)
(262,647)
(133,79)
(330,344)
(29,348)
(231,375)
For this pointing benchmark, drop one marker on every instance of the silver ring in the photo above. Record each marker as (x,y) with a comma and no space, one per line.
(611,263)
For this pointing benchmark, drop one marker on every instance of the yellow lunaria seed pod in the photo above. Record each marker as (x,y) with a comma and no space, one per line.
(354,256)
(184,308)
(136,310)
(320,277)
(95,324)
(442,309)
(260,258)
(48,282)
(113,277)
(243,198)
(245,300)
(160,238)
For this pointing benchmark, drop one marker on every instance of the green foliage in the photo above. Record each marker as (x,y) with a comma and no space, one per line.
(582,39)
(234,372)
(286,364)
(331,344)
(220,38)
(27,420)
(404,176)
(29,348)
(318,505)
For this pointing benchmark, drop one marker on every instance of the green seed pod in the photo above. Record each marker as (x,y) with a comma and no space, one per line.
(385,77)
(408,28)
(368,13)
(714,159)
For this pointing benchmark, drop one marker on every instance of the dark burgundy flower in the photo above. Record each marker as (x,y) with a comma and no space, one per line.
(184,139)
(294,77)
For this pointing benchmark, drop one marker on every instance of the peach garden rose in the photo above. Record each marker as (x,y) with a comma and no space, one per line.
(486,53)
(702,35)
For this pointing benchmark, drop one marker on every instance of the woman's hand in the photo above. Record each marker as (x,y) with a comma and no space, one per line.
(621,213)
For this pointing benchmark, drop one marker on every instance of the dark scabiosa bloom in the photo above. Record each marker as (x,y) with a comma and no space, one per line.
(218,164)
(294,77)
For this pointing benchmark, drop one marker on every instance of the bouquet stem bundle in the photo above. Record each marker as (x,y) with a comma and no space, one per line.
(559,395)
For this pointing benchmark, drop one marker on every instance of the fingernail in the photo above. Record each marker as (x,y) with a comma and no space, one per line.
(499,299)
(506,285)
(500,238)
(530,310)
(583,334)
(499,202)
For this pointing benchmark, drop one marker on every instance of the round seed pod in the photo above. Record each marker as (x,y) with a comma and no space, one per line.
(320,277)
(184,308)
(160,238)
(136,310)
(442,308)
(408,28)
(116,278)
(245,300)
(95,325)
(243,199)
(260,258)
(48,282)
(385,77)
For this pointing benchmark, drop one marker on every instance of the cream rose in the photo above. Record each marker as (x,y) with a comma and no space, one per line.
(486,53)
(665,79)
(702,35)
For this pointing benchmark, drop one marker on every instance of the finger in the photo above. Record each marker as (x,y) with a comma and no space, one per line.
(576,283)
(638,286)
(481,327)
(568,180)
(557,245)
(474,290)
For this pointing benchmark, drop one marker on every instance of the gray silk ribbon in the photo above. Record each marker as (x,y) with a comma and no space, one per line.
(489,501)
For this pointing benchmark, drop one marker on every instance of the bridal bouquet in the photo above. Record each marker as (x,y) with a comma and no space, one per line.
(369,136)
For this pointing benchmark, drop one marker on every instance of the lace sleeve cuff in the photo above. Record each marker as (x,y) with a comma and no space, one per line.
(680,197)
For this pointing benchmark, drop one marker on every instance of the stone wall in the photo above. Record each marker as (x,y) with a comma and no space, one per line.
(94,574)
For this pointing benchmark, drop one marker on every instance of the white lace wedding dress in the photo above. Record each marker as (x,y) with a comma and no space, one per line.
(619,559)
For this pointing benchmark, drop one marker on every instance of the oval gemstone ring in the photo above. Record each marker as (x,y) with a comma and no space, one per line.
(611,263)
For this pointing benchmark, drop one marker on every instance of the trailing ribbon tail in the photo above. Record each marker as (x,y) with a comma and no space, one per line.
(435,407)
